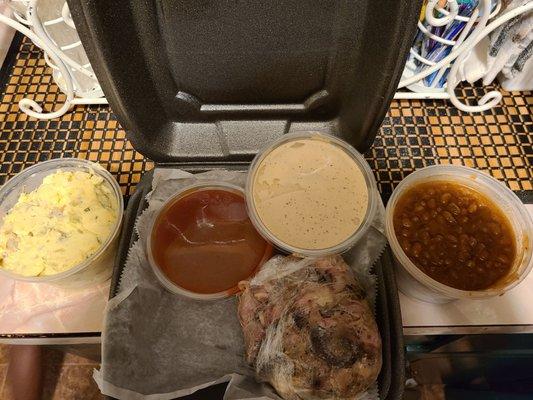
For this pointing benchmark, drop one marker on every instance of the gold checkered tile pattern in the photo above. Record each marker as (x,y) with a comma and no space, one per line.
(86,132)
(417,133)
(414,134)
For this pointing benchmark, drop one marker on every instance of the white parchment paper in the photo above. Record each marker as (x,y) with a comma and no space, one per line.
(157,345)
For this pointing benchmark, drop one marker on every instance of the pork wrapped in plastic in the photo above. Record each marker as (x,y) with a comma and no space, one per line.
(309,330)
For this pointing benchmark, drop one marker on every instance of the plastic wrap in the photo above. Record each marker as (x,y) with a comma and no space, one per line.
(309,329)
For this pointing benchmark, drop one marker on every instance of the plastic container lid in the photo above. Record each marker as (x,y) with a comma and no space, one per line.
(321,163)
(413,282)
(202,242)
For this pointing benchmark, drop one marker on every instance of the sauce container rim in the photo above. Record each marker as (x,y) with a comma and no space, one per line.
(464,175)
(163,279)
(372,205)
(66,164)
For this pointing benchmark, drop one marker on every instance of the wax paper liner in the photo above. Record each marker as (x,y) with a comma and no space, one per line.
(158,345)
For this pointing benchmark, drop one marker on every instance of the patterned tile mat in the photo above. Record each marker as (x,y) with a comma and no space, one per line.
(414,133)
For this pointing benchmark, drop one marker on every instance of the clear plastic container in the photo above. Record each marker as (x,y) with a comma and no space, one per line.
(188,190)
(373,195)
(98,267)
(415,283)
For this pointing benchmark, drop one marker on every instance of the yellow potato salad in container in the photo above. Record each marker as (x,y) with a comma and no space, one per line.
(58,225)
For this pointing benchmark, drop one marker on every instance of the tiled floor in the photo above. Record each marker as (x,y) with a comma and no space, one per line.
(69,377)
(65,376)
(3,368)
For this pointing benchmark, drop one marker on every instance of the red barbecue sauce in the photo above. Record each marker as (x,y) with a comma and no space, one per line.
(204,241)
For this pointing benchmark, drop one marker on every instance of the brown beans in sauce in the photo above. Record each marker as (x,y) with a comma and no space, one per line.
(455,235)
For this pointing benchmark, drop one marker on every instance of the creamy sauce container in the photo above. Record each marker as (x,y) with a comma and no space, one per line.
(311,194)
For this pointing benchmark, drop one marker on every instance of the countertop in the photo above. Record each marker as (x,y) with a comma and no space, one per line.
(414,134)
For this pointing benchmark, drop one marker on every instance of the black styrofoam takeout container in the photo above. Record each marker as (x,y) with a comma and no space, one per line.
(388,316)
(206,84)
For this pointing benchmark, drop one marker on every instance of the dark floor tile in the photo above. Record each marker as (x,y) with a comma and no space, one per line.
(74,359)
(73,382)
(432,392)
(73,354)
(4,354)
(3,373)
(52,356)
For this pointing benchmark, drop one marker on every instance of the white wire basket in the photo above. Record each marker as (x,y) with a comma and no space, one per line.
(49,25)
(433,31)
(485,18)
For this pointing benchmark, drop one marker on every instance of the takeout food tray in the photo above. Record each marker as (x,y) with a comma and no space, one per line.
(388,316)
(225,79)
